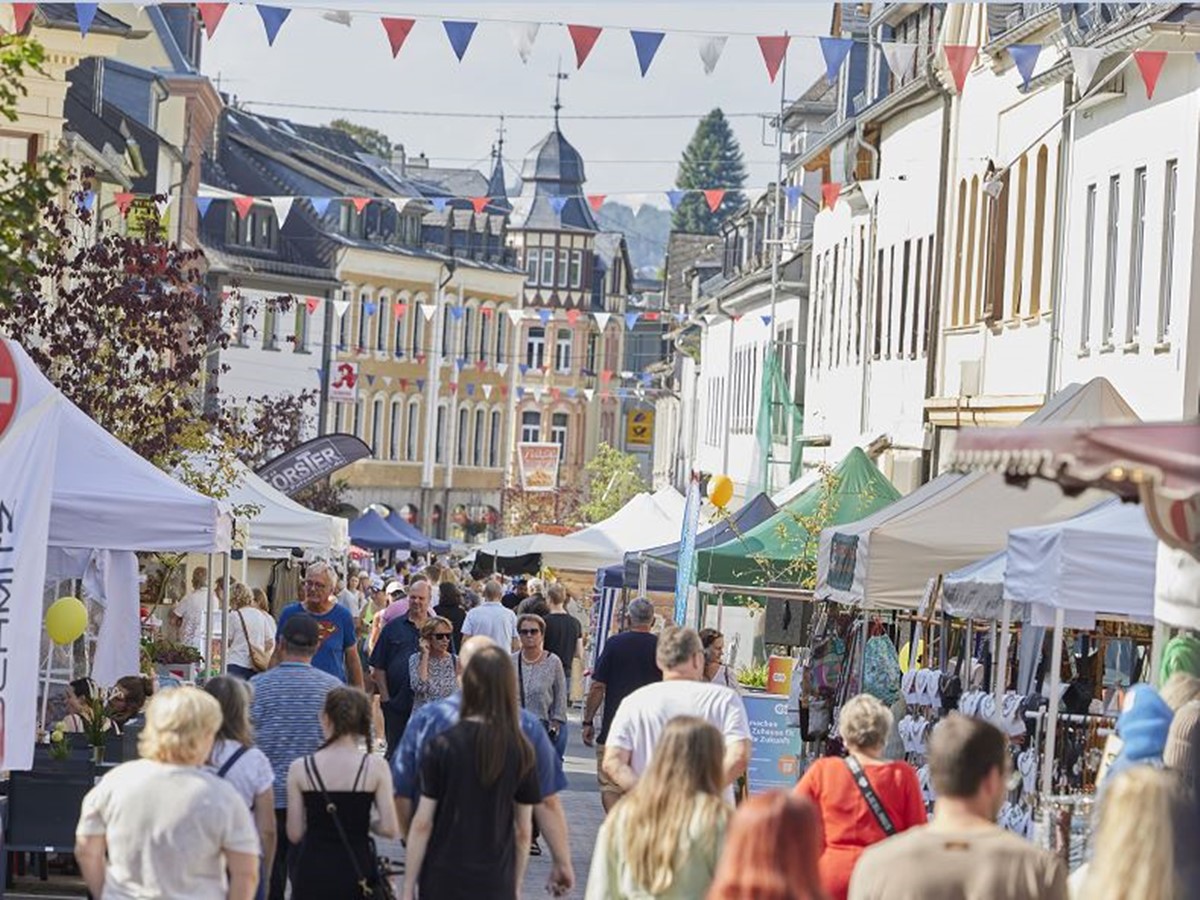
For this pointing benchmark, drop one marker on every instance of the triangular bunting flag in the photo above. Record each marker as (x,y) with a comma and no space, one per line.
(537,392)
(515,315)
(481,365)
(572,316)
(545,315)
(340,307)
(88,200)
(460,363)
(370,380)
(1025,57)
(711,49)
(273,18)
(646,44)
(960,57)
(631,319)
(21,14)
(360,203)
(486,311)
(320,374)
(123,199)
(439,203)
(584,38)
(319,205)
(899,57)
(589,393)
(595,201)
(557,203)
(835,51)
(555,393)
(337,17)
(1085,61)
(709,318)
(85,14)
(370,307)
(830,193)
(870,191)
(459,34)
(524,34)
(311,304)
(421,359)
(793,192)
(675,198)
(243,205)
(520,393)
(453,387)
(163,205)
(283,206)
(480,204)
(774,48)
(1150,64)
(470,389)
(399,309)
(502,369)
(714,198)
(420,385)
(487,391)
(504,390)
(601,319)
(202,205)
(403,384)
(456,313)
(427,310)
(387,380)
(766,320)
(397,32)
(572,392)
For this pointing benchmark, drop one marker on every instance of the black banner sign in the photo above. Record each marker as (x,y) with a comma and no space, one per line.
(311,461)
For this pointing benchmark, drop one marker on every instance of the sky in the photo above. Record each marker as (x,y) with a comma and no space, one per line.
(349,72)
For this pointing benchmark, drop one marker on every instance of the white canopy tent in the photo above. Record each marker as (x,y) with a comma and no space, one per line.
(647,520)
(1177,589)
(282,523)
(885,560)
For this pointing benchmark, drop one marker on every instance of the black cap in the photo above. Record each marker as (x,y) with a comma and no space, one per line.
(300,632)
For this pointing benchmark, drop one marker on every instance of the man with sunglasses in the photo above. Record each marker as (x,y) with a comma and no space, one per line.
(398,641)
(337,648)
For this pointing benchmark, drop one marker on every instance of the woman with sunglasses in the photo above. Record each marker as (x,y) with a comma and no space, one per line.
(432,671)
(541,682)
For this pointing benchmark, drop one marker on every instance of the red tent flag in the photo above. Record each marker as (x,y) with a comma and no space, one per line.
(1150,64)
(397,32)
(960,58)
(830,191)
(21,14)
(584,38)
(596,201)
(774,48)
(714,198)
(210,15)
(480,204)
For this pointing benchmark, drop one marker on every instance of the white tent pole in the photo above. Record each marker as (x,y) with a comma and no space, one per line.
(246,568)
(208,616)
(999,682)
(225,614)
(1056,652)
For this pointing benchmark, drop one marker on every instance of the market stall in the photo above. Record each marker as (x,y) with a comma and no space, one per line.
(371,531)
(418,541)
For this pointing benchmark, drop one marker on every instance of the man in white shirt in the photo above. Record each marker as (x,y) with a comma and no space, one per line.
(642,716)
(493,619)
(188,614)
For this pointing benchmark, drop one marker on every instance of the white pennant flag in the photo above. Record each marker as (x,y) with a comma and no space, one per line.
(524,34)
(711,49)
(387,380)
(709,318)
(515,315)
(899,57)
(589,393)
(636,201)
(602,319)
(337,17)
(502,368)
(521,207)
(1085,60)
(340,307)
(400,203)
(537,393)
(870,191)
(283,206)
(163,205)
(487,391)
(427,310)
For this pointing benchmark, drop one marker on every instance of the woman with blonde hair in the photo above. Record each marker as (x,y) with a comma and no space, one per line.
(251,634)
(260,600)
(664,837)
(160,826)
(433,670)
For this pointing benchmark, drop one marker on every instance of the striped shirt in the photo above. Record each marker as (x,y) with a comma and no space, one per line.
(288,700)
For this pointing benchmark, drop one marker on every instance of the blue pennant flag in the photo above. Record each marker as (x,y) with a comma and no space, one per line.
(439,203)
(88,200)
(558,203)
(420,384)
(766,320)
(793,192)
(370,380)
(273,18)
(646,44)
(460,362)
(460,34)
(646,378)
(471,389)
(544,315)
(675,198)
(631,319)
(835,51)
(680,316)
(520,393)
(85,13)
(320,205)
(1025,57)
(456,312)
(524,368)
(571,392)
(370,308)
(202,205)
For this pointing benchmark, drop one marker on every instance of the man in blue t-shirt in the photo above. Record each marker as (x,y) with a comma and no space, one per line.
(337,651)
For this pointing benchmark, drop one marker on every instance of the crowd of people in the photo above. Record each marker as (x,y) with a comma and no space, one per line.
(280,780)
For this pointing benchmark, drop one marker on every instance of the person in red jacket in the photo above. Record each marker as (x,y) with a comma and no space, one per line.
(863,797)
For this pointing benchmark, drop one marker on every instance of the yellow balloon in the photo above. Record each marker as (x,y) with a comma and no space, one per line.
(720,490)
(66,620)
(906,650)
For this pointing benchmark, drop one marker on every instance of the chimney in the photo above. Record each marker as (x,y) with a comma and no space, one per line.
(420,161)
(399,159)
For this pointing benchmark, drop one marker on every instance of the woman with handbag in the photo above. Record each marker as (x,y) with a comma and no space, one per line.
(541,681)
(863,797)
(251,634)
(331,797)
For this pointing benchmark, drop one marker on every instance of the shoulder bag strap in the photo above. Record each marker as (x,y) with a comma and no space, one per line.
(868,792)
(521,678)
(245,630)
(310,766)
(228,764)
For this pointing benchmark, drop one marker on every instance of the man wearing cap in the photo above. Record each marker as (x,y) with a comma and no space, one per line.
(287,720)
(398,641)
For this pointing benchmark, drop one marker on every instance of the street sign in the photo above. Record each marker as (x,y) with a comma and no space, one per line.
(8,387)
(639,428)
(343,382)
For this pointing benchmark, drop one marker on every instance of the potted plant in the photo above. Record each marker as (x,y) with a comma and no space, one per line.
(96,727)
(173,660)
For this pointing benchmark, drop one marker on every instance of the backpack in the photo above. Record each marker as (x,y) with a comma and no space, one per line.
(881,670)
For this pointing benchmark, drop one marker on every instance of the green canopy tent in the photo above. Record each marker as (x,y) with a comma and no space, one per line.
(783,549)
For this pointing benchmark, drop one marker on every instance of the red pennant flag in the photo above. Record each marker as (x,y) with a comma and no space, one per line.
(572,316)
(480,204)
(774,48)
(397,31)
(555,393)
(311,304)
(595,201)
(404,384)
(960,58)
(714,198)
(830,193)
(486,311)
(399,309)
(210,14)
(243,205)
(21,14)
(584,38)
(421,358)
(123,200)
(504,390)
(454,387)
(1150,64)
(606,376)
(360,203)
(650,316)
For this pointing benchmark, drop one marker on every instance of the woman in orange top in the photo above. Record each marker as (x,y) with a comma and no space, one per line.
(848,823)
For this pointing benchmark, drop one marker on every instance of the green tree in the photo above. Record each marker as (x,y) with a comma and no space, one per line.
(372,140)
(25,188)
(613,479)
(712,160)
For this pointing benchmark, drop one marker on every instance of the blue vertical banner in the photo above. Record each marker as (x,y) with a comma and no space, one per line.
(687,549)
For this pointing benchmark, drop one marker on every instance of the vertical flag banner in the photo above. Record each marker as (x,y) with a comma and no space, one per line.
(687,549)
(273,18)
(459,34)
(711,49)
(646,44)
(397,32)
(524,34)
(835,51)
(1025,57)
(960,58)
(899,57)
(774,48)
(584,38)
(1150,64)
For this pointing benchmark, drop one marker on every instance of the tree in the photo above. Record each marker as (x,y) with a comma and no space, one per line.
(27,187)
(372,140)
(712,159)
(613,479)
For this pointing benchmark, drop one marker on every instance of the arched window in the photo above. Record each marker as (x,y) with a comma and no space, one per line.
(364,321)
(344,321)
(382,324)
(412,432)
(460,457)
(377,427)
(394,430)
(439,435)
(418,324)
(1018,279)
(967,301)
(1039,229)
(447,329)
(494,440)
(359,415)
(479,435)
(468,332)
(482,342)
(501,328)
(339,416)
(958,252)
(398,335)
